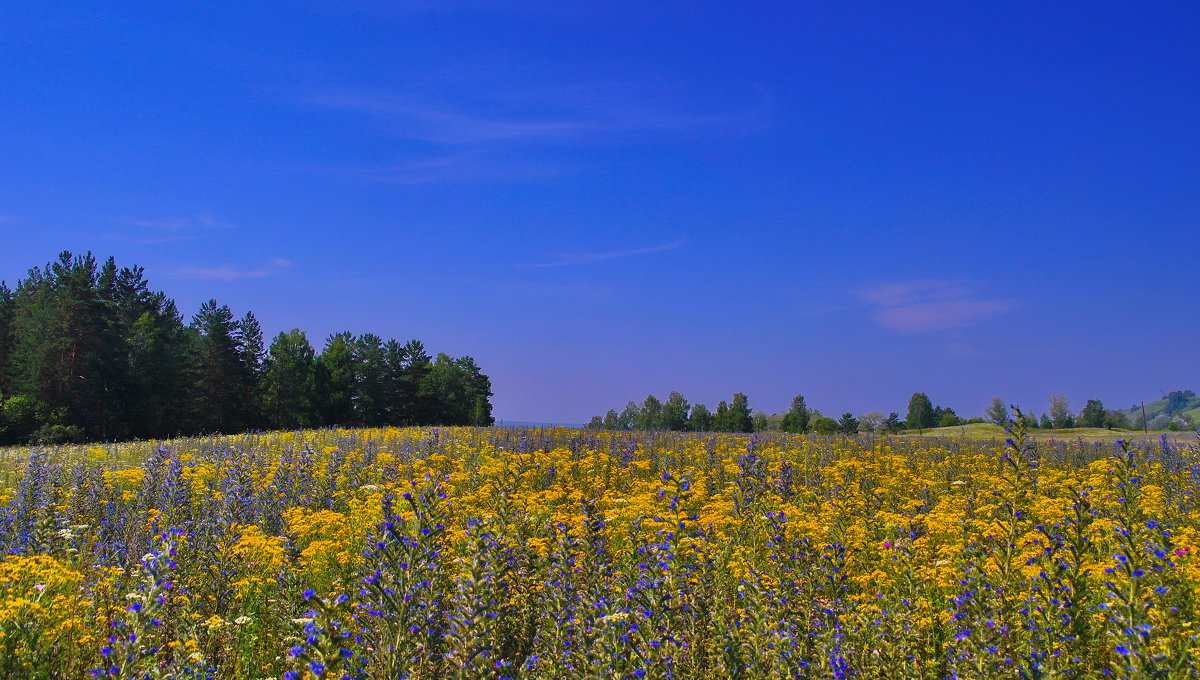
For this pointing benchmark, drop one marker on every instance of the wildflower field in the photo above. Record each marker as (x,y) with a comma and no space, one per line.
(559,553)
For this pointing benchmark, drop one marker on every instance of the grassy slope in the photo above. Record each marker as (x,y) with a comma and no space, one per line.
(1154,408)
(987,431)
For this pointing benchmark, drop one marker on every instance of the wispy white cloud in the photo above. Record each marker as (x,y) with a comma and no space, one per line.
(521,134)
(598,257)
(273,267)
(463,167)
(931,305)
(174,229)
(590,113)
(449,127)
(202,222)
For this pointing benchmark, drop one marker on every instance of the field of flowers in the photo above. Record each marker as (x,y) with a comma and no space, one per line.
(558,553)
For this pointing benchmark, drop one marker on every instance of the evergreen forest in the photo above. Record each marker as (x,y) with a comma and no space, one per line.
(89,352)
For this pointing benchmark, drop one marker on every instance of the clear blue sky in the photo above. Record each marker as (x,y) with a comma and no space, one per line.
(601,200)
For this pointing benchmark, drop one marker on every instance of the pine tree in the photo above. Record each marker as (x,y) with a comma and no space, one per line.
(335,380)
(848,424)
(892,423)
(288,382)
(370,381)
(221,375)
(418,402)
(392,385)
(65,354)
(160,371)
(8,306)
(253,353)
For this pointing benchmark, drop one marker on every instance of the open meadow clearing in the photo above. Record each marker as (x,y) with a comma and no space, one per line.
(559,553)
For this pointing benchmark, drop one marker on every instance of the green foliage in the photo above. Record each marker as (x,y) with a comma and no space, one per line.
(892,423)
(1181,406)
(1093,414)
(64,351)
(825,425)
(734,417)
(459,391)
(650,416)
(223,378)
(19,418)
(848,424)
(946,417)
(796,419)
(89,352)
(335,380)
(675,413)
(701,419)
(289,382)
(997,412)
(1060,412)
(920,412)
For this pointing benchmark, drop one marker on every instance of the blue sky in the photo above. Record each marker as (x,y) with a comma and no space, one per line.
(601,200)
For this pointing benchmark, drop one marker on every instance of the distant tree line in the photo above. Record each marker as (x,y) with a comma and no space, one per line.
(1095,415)
(922,414)
(89,352)
(734,416)
(677,414)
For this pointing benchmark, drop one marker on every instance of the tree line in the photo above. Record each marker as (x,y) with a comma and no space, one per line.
(677,414)
(734,416)
(1095,415)
(89,352)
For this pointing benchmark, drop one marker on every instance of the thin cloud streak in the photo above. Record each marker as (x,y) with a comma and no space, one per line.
(581,114)
(457,168)
(598,257)
(172,229)
(275,266)
(931,305)
(447,127)
(200,222)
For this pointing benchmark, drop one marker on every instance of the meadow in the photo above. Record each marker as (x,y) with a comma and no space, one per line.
(560,553)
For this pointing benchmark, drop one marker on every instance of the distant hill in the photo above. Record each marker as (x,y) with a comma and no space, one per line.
(1183,403)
